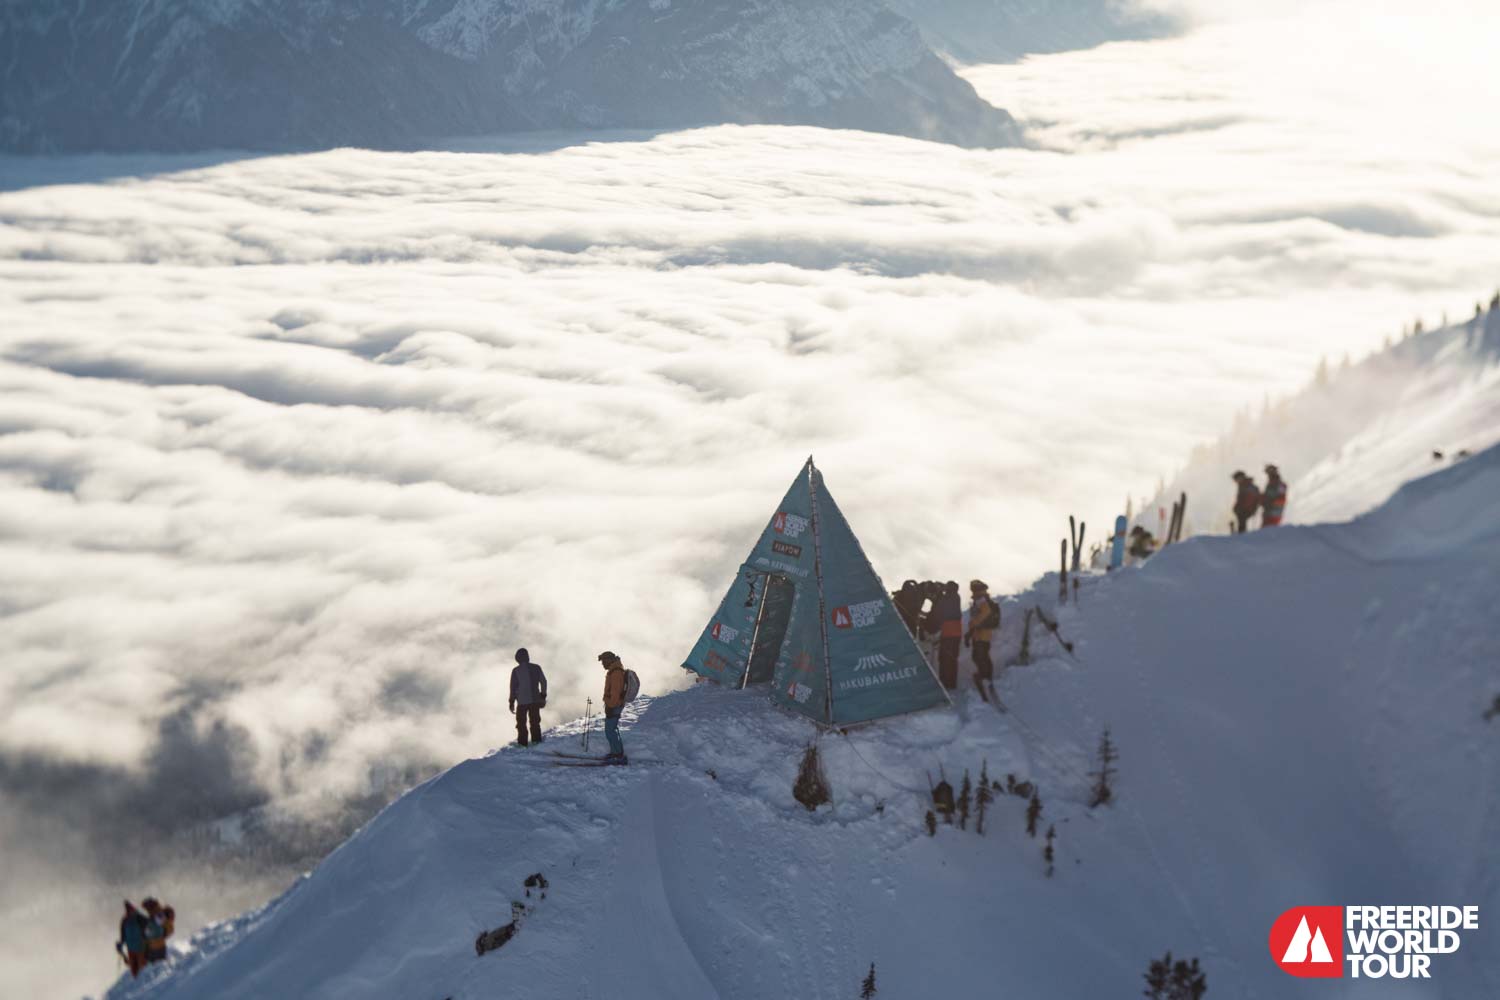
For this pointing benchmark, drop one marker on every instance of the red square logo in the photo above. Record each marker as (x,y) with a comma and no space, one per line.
(1308,942)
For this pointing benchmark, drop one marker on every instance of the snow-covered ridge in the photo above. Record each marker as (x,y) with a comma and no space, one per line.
(1357,432)
(144,74)
(1299,716)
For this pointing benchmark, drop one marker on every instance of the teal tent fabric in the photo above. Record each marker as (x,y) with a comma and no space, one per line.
(807,611)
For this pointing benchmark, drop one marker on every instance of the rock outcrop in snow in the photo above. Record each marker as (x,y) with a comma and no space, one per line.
(1299,720)
(147,74)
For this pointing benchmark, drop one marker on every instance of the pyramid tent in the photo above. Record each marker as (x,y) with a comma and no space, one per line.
(807,613)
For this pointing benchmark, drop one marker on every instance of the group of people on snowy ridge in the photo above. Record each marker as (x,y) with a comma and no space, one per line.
(934,610)
(1248,498)
(528,696)
(143,934)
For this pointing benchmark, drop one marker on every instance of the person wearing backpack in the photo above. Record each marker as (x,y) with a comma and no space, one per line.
(620,686)
(984,619)
(159,924)
(528,696)
(132,943)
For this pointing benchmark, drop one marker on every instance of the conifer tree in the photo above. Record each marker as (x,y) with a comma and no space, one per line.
(1103,791)
(1179,980)
(964,797)
(931,824)
(1033,813)
(867,988)
(1047,854)
(986,796)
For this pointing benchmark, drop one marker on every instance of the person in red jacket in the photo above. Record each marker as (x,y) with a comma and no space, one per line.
(1273,499)
(947,620)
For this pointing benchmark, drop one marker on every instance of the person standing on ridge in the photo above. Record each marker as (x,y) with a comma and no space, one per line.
(528,696)
(1273,500)
(132,943)
(614,704)
(946,619)
(158,927)
(984,620)
(1246,500)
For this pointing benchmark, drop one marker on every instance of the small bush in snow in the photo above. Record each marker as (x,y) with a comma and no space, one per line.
(965,796)
(1494,710)
(867,988)
(810,788)
(1169,980)
(931,823)
(1047,854)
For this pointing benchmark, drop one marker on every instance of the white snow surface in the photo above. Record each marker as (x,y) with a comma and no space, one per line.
(1299,719)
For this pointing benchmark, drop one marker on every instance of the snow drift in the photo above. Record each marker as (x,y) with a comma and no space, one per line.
(1299,718)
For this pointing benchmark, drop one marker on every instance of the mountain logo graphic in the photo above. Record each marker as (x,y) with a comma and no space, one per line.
(1308,942)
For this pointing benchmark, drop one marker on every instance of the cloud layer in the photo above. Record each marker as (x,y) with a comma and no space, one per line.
(295,451)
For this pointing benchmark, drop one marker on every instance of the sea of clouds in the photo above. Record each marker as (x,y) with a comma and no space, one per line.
(296,450)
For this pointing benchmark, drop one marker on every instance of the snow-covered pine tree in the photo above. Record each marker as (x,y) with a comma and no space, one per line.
(867,988)
(1103,791)
(965,795)
(1047,854)
(931,819)
(1033,813)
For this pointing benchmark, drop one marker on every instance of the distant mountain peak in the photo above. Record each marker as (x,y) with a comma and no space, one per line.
(276,74)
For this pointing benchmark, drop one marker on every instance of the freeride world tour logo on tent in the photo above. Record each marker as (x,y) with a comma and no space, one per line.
(790,525)
(1368,942)
(856,615)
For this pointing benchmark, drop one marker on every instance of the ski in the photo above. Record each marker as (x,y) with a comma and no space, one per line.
(574,756)
(589,763)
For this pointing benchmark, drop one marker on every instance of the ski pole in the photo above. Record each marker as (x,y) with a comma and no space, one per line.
(588,722)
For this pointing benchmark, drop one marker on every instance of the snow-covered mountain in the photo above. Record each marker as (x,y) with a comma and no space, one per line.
(979,31)
(167,75)
(1300,718)
(1359,431)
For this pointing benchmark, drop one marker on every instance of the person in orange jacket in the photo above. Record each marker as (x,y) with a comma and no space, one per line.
(614,704)
(160,922)
(984,619)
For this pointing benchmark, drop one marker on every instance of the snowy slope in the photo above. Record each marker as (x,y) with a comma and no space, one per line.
(1354,436)
(1299,718)
(273,74)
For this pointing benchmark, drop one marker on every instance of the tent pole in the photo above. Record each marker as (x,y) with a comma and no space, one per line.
(812,491)
(760,617)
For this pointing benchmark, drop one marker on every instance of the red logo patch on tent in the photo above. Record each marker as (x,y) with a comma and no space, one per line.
(1308,942)
(841,618)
